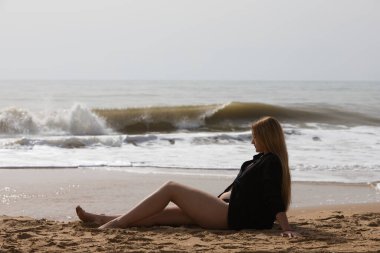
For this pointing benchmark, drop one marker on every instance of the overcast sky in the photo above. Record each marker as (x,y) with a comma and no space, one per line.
(196,39)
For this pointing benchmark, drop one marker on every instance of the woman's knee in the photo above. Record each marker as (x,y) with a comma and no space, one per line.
(173,189)
(171,184)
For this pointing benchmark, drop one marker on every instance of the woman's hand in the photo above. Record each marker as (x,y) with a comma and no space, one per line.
(290,234)
(287,230)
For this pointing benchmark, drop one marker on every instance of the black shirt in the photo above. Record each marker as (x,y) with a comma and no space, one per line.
(256,193)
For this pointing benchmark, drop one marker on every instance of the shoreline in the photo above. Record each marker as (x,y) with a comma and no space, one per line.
(225,172)
(53,194)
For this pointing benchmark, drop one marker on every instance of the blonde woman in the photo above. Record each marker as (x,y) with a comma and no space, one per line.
(259,195)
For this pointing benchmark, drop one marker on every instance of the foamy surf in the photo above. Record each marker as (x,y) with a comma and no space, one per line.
(78,120)
(310,150)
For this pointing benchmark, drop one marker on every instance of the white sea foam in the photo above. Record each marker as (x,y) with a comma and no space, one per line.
(78,120)
(17,121)
(336,156)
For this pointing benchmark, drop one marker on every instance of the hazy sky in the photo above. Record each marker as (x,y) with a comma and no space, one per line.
(196,39)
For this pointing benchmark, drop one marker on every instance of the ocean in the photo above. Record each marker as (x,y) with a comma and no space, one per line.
(190,127)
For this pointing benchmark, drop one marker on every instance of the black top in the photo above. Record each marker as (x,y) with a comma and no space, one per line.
(256,193)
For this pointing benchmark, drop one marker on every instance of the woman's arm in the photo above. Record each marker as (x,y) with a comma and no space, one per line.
(284,224)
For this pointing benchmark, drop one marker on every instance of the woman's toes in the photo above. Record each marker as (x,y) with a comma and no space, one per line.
(83,216)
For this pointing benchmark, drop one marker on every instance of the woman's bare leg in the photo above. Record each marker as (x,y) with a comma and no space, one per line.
(170,216)
(204,209)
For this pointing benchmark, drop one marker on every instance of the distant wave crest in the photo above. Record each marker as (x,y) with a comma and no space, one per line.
(233,116)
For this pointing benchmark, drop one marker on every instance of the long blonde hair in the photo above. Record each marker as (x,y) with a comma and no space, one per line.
(269,132)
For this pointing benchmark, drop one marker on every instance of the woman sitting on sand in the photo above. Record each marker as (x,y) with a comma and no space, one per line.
(259,194)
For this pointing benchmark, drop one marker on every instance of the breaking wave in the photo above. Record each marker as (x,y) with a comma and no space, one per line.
(79,120)
(234,116)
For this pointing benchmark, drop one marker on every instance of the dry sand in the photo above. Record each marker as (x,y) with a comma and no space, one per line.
(37,215)
(354,228)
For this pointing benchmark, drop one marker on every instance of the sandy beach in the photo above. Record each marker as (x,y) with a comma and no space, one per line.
(37,215)
(340,229)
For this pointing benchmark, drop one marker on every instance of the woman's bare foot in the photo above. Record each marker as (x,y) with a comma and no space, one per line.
(89,217)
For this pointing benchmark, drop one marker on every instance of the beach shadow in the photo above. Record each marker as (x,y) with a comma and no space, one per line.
(332,229)
(309,230)
(317,235)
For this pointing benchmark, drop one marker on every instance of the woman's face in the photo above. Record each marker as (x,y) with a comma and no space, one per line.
(257,143)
